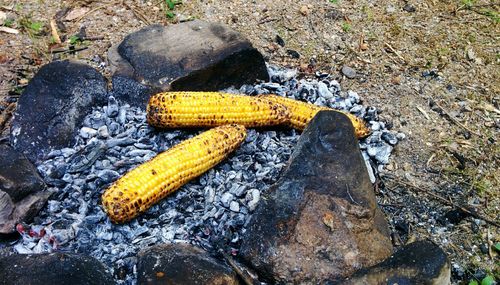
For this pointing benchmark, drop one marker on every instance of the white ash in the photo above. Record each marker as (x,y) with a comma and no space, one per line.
(211,211)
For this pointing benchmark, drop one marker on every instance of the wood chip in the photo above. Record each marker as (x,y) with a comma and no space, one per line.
(9,30)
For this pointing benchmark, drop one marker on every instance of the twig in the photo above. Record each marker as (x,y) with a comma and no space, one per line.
(53,31)
(94,10)
(424,113)
(395,52)
(96,38)
(137,13)
(247,279)
(267,20)
(64,50)
(6,115)
(453,120)
(444,200)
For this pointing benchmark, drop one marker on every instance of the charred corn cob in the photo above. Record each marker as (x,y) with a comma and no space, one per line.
(208,109)
(301,113)
(150,182)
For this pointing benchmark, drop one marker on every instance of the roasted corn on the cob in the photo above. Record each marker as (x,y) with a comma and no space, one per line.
(145,185)
(209,109)
(301,113)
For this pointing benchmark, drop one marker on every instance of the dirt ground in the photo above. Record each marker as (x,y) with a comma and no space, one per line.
(430,66)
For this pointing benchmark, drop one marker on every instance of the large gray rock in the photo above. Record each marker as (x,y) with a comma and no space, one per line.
(320,220)
(194,55)
(22,190)
(182,264)
(420,262)
(53,268)
(53,106)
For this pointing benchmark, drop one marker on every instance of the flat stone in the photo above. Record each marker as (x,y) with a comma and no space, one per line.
(53,105)
(320,220)
(349,72)
(421,262)
(22,190)
(53,268)
(194,55)
(182,264)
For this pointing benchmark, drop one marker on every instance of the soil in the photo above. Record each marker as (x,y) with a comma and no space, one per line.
(430,67)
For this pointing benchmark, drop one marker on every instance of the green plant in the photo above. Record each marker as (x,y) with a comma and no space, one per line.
(468,3)
(488,280)
(8,23)
(74,39)
(346,27)
(334,1)
(169,12)
(33,28)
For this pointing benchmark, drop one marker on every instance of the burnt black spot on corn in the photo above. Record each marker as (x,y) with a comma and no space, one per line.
(150,182)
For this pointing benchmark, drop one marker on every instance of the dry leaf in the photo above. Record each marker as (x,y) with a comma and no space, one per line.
(76,13)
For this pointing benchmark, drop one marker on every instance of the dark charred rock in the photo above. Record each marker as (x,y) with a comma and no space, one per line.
(53,268)
(128,90)
(194,55)
(182,264)
(22,191)
(320,220)
(53,106)
(421,262)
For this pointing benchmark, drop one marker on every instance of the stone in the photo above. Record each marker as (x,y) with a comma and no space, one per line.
(53,268)
(194,55)
(53,105)
(421,262)
(181,264)
(349,72)
(130,91)
(22,191)
(320,220)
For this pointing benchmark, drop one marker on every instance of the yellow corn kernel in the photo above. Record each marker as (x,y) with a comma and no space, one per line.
(150,182)
(302,112)
(209,109)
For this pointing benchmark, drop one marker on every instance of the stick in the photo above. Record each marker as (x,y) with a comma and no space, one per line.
(444,201)
(53,31)
(249,280)
(453,120)
(395,52)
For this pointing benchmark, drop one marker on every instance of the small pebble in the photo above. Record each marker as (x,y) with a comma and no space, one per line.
(234,206)
(349,72)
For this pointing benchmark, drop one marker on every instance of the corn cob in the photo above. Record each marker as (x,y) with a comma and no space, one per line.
(301,113)
(150,182)
(209,109)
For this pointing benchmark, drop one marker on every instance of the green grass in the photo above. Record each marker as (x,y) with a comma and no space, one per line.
(346,27)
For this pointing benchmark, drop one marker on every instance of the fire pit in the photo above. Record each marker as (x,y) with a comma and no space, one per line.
(212,211)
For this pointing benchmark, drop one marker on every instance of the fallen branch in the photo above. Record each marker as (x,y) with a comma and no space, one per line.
(453,120)
(443,200)
(68,50)
(240,271)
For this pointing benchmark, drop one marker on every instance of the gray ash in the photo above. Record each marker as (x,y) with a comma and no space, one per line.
(211,211)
